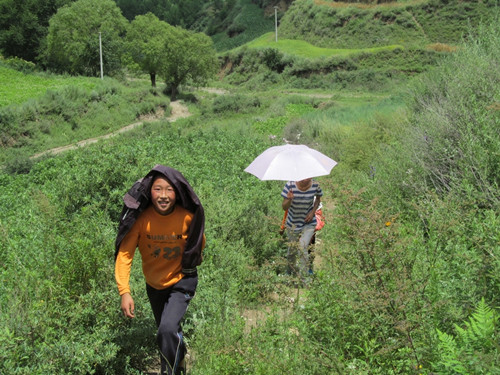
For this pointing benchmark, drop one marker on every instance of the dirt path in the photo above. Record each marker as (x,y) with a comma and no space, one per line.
(179,110)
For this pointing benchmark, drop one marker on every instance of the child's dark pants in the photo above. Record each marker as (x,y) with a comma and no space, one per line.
(169,306)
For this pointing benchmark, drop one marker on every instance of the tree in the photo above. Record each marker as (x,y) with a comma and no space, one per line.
(131,8)
(146,40)
(72,41)
(175,12)
(190,57)
(23,26)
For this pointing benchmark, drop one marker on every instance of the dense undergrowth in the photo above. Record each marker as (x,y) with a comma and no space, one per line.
(329,24)
(364,71)
(68,112)
(408,281)
(245,22)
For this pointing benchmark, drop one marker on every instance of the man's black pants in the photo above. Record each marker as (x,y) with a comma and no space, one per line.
(169,306)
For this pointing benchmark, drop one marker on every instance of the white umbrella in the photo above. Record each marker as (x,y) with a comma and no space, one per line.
(290,163)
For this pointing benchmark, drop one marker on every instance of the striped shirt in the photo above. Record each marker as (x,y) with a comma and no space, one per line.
(302,204)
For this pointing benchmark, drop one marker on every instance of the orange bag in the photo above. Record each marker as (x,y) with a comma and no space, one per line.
(320,219)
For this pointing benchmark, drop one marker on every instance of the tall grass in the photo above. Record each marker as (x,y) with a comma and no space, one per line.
(304,49)
(70,113)
(453,130)
(409,23)
(18,87)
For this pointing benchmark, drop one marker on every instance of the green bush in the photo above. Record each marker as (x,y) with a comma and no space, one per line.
(454,126)
(235,103)
(473,349)
(19,64)
(73,113)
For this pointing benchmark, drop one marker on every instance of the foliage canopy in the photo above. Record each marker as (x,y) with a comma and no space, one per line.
(73,38)
(23,26)
(146,40)
(189,57)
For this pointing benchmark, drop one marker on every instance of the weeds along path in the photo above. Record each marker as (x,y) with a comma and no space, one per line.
(286,297)
(179,110)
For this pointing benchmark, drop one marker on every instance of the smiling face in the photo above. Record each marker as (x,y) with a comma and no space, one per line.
(162,196)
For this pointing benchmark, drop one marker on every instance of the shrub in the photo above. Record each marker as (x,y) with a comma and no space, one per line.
(454,133)
(19,64)
(234,103)
(473,349)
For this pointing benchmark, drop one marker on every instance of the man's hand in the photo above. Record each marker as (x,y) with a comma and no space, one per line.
(287,202)
(127,305)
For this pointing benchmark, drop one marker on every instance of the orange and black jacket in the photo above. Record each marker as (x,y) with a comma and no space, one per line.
(138,198)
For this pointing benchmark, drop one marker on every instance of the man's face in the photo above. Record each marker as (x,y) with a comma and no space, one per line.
(162,196)
(304,184)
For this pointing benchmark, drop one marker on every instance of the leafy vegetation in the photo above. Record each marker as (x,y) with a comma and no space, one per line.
(473,349)
(146,39)
(69,113)
(243,24)
(75,32)
(191,59)
(23,26)
(407,266)
(190,56)
(325,24)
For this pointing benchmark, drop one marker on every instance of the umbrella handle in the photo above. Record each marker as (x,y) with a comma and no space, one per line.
(282,227)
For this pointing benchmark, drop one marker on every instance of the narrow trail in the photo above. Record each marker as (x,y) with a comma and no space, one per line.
(419,26)
(286,296)
(179,110)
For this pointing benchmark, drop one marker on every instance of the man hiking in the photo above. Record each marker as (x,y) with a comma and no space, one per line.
(164,218)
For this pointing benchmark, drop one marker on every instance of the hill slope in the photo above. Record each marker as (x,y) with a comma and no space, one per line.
(341,25)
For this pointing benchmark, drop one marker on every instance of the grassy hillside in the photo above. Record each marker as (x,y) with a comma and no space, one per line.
(406,279)
(340,25)
(299,65)
(302,48)
(324,44)
(18,87)
(246,22)
(43,111)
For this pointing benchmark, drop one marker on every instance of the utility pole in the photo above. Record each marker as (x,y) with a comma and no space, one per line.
(276,22)
(100,54)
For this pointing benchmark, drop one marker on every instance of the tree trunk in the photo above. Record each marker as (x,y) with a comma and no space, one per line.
(153,79)
(173,93)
